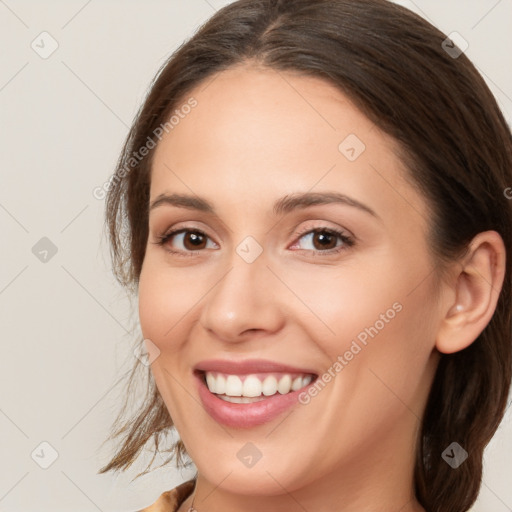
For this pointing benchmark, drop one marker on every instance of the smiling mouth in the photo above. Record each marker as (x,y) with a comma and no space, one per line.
(254,387)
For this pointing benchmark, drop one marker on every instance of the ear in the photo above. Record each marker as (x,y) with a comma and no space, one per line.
(476,288)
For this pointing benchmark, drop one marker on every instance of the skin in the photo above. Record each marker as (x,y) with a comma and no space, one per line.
(257,135)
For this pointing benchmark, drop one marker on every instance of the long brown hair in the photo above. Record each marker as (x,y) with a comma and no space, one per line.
(457,148)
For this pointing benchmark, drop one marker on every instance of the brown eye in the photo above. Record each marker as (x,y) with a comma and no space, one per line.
(323,240)
(186,241)
(194,240)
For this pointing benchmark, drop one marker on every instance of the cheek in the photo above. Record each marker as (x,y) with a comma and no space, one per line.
(383,294)
(167,297)
(166,301)
(384,334)
(377,315)
(154,308)
(336,305)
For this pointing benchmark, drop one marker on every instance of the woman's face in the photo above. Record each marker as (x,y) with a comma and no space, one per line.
(301,252)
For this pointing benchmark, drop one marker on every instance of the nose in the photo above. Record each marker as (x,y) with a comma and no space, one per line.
(241,301)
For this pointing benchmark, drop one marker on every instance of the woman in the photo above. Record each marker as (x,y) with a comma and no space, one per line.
(312,208)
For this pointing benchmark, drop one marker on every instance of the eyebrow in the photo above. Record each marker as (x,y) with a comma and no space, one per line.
(283,205)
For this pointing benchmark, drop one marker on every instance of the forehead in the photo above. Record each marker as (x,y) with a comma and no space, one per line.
(263,112)
(257,134)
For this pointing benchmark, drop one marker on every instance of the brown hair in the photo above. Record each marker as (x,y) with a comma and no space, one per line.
(455,144)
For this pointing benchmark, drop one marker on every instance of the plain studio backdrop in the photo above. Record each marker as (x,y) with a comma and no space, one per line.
(72,76)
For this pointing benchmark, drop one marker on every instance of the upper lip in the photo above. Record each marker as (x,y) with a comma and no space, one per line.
(248,366)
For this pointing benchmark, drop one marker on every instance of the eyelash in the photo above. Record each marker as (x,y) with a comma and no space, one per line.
(347,240)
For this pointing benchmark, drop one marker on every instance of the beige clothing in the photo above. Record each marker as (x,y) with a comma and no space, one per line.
(171,500)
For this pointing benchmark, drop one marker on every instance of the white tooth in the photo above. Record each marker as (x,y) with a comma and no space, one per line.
(252,386)
(233,386)
(211,382)
(269,386)
(241,399)
(297,383)
(220,385)
(306,380)
(285,383)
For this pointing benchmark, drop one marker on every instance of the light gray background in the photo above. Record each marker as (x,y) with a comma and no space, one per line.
(66,326)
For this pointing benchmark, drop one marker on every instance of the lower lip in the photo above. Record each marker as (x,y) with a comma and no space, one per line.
(246,415)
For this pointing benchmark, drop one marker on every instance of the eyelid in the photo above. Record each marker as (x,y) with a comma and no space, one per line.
(348,240)
(320,225)
(342,234)
(165,236)
(182,226)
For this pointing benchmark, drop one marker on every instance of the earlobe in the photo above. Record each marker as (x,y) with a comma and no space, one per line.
(477,287)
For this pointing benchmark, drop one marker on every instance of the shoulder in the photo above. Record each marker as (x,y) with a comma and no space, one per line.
(169,501)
